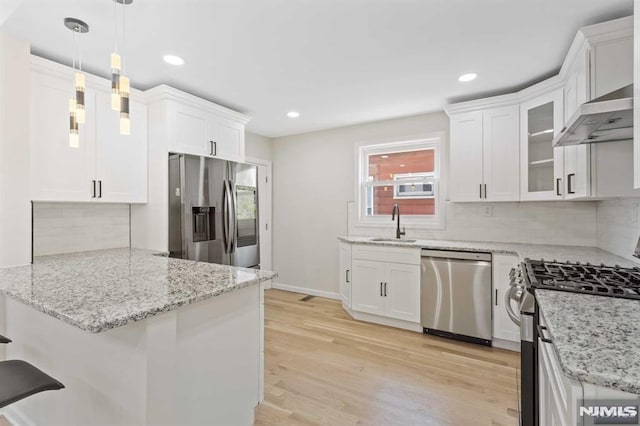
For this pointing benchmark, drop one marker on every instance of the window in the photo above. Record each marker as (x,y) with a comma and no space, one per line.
(403,173)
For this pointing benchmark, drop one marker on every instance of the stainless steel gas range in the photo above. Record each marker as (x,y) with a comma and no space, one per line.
(599,280)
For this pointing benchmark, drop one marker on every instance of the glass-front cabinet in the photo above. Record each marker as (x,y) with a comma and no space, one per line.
(541,165)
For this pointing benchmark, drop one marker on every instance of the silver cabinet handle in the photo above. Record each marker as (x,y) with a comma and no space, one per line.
(385,289)
(558,180)
(541,329)
(480,190)
(99,189)
(214,148)
(347,275)
(485,191)
(381,290)
(93,189)
(569,183)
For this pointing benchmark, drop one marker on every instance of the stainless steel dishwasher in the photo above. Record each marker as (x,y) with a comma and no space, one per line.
(455,295)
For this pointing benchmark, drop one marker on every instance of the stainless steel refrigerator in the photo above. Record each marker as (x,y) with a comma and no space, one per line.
(213,211)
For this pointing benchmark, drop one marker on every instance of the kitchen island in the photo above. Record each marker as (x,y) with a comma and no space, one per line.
(136,338)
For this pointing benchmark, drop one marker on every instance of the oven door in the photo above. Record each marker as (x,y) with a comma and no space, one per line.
(526,319)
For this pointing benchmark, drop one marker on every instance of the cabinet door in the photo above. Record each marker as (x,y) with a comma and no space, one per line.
(402,291)
(577,171)
(121,160)
(367,292)
(501,148)
(541,119)
(466,157)
(344,273)
(229,139)
(59,172)
(191,130)
(611,66)
(503,327)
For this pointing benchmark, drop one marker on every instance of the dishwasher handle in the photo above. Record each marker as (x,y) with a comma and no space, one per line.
(456,255)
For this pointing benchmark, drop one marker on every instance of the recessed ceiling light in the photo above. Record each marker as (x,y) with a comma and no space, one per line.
(467,77)
(401,165)
(173,60)
(293,114)
(384,156)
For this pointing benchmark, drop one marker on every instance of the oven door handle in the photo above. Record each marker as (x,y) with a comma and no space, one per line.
(507,304)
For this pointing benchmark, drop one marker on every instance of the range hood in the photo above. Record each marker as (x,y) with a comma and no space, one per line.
(605,119)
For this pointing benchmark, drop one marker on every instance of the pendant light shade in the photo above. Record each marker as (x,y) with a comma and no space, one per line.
(116,68)
(125,124)
(74,136)
(80,113)
(120,88)
(77,113)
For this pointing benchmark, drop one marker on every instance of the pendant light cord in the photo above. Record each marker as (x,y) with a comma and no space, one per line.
(115,25)
(124,40)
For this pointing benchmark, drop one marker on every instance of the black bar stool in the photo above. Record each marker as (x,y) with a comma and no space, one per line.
(19,379)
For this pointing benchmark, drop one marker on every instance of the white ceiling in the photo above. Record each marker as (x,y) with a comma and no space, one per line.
(337,62)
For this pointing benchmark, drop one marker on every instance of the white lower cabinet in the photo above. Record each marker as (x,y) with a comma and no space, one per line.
(388,289)
(503,327)
(345,273)
(381,281)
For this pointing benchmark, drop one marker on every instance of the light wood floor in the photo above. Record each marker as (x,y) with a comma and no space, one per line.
(322,367)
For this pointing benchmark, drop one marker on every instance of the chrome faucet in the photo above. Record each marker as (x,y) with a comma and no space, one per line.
(396,210)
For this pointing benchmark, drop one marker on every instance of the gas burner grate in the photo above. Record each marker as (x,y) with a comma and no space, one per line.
(613,281)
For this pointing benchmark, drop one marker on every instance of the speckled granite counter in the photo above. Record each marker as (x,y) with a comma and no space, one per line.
(597,338)
(531,251)
(100,290)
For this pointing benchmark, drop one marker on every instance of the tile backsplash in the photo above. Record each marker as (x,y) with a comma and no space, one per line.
(557,223)
(618,226)
(73,227)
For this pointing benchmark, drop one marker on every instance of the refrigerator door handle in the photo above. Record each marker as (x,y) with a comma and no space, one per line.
(234,233)
(225,217)
(228,218)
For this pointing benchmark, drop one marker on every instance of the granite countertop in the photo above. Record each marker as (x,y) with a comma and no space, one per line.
(531,251)
(100,290)
(597,338)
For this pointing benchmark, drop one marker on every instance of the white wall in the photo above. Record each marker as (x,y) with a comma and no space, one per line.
(313,184)
(618,226)
(15,206)
(73,227)
(257,146)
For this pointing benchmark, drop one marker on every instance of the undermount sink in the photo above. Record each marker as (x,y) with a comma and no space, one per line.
(393,240)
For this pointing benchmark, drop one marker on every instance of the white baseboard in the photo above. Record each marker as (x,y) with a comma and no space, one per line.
(390,322)
(304,290)
(506,344)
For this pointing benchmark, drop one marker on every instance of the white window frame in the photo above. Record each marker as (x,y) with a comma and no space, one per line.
(363,149)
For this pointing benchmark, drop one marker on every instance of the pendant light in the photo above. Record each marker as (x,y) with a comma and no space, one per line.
(76,103)
(120,87)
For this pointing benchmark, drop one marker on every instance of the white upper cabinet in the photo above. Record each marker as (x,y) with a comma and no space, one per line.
(500,154)
(484,155)
(599,61)
(59,172)
(121,160)
(107,166)
(541,165)
(192,130)
(199,127)
(466,157)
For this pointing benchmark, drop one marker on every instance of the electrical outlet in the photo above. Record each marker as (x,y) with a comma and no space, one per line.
(487,211)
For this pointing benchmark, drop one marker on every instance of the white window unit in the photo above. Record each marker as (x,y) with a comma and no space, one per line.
(485,155)
(107,166)
(503,327)
(406,173)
